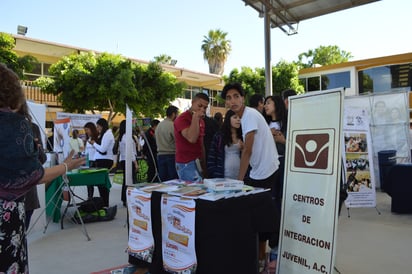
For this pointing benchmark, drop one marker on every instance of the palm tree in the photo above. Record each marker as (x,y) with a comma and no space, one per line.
(216,49)
(165,59)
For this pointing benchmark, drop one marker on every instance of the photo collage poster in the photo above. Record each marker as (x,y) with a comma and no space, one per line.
(358,157)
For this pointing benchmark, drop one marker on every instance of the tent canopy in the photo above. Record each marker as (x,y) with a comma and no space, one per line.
(286,14)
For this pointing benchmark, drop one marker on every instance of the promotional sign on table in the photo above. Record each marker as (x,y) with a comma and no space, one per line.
(312,180)
(141,241)
(178,234)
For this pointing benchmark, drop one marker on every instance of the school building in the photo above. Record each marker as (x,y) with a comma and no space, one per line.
(48,53)
(369,76)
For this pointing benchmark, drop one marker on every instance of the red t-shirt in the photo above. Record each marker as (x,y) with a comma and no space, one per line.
(186,151)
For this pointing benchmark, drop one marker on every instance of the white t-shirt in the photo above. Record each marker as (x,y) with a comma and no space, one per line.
(90,150)
(77,145)
(264,159)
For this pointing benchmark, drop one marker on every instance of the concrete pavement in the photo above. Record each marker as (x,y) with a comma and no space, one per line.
(367,242)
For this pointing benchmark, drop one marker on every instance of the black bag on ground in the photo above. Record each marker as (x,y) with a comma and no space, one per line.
(91,205)
(104,214)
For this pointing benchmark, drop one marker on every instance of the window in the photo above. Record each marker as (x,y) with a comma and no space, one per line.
(313,83)
(39,69)
(336,80)
(385,78)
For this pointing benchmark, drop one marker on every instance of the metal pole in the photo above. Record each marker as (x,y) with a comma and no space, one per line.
(268,65)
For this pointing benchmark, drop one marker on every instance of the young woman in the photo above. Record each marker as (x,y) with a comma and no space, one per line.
(276,117)
(223,160)
(20,170)
(91,135)
(104,154)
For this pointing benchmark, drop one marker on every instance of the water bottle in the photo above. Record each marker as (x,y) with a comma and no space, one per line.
(86,155)
(87,160)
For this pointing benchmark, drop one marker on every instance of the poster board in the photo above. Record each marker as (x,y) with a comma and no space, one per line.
(358,158)
(38,114)
(312,180)
(388,115)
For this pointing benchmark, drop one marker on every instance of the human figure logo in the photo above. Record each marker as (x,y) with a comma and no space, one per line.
(312,150)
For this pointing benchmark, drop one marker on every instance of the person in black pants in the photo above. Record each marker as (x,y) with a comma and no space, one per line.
(151,152)
(103,156)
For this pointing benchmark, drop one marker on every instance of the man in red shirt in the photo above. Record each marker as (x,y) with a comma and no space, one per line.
(189,130)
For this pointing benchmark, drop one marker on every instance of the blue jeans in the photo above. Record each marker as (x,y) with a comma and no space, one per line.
(188,172)
(166,166)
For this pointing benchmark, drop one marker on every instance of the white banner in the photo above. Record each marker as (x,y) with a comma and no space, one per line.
(178,234)
(312,179)
(78,120)
(61,139)
(141,241)
(358,156)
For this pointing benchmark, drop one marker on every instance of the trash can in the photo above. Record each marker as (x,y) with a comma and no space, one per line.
(386,160)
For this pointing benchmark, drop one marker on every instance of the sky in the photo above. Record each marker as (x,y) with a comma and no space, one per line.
(145,29)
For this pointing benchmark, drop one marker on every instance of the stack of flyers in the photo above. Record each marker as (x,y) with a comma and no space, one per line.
(159,187)
(189,191)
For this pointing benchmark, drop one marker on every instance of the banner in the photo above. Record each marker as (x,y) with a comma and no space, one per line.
(78,120)
(358,157)
(178,235)
(141,241)
(312,180)
(61,139)
(388,123)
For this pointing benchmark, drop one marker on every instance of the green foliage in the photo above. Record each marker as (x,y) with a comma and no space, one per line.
(284,76)
(253,81)
(216,49)
(323,55)
(87,81)
(11,59)
(163,59)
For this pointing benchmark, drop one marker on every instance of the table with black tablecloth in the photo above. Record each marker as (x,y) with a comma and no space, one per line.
(87,177)
(226,233)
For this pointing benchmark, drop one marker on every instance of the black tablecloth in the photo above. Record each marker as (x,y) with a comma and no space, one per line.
(226,237)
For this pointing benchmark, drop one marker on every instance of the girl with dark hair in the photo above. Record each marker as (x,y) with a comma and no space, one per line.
(122,159)
(91,134)
(223,160)
(104,154)
(276,116)
(90,151)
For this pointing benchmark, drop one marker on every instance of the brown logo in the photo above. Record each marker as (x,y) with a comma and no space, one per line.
(312,150)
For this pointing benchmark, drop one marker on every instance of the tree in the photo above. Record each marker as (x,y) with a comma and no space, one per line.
(11,59)
(87,81)
(252,81)
(284,76)
(165,60)
(323,55)
(216,49)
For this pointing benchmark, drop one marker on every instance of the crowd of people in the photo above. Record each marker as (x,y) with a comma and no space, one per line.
(246,143)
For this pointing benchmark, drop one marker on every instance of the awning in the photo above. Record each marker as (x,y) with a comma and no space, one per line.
(286,15)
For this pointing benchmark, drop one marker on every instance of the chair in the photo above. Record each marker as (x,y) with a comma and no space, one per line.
(400,188)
